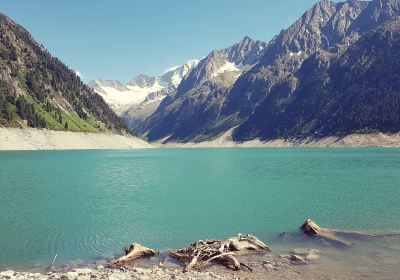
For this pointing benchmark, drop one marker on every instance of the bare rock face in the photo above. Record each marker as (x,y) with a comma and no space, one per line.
(186,114)
(327,26)
(262,80)
(142,81)
(244,53)
(296,260)
(308,254)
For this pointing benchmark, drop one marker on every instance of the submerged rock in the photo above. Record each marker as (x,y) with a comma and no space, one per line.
(296,260)
(134,252)
(307,253)
(310,228)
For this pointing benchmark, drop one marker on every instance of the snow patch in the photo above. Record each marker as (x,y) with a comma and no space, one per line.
(298,53)
(227,67)
(119,99)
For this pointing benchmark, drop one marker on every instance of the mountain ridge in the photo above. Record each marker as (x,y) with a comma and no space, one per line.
(122,97)
(204,107)
(357,93)
(203,90)
(38,90)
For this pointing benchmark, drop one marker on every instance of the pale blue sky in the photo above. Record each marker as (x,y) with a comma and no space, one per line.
(118,39)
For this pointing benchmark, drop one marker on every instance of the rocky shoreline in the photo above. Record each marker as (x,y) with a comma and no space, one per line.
(13,139)
(249,258)
(263,268)
(348,141)
(115,274)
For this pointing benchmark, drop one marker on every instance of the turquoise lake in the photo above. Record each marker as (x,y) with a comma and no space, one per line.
(88,205)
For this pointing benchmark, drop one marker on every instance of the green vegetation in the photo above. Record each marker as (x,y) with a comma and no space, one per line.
(48,94)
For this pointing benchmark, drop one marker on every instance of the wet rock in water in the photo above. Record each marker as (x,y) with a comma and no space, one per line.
(310,228)
(307,253)
(134,252)
(297,260)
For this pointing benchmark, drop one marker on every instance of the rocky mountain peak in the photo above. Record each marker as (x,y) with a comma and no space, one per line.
(108,83)
(382,10)
(250,84)
(233,59)
(246,52)
(328,24)
(142,81)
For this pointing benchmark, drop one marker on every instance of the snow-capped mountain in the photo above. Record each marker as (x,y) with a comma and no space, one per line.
(120,96)
(140,89)
(332,72)
(201,93)
(225,63)
(172,76)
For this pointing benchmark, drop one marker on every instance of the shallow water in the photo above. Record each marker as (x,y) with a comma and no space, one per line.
(87,205)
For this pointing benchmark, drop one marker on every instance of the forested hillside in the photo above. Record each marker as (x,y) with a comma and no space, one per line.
(38,90)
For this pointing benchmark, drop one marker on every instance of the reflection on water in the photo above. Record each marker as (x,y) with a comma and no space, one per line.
(86,206)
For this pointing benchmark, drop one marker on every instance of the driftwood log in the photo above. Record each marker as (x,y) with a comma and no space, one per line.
(310,228)
(134,252)
(202,253)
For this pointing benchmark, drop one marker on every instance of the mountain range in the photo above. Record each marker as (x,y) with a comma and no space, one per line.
(140,97)
(333,72)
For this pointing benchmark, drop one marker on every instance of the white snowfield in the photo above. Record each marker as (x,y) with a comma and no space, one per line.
(122,97)
(119,99)
(44,139)
(227,67)
(178,72)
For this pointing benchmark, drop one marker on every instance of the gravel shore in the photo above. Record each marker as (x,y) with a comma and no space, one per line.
(44,139)
(265,270)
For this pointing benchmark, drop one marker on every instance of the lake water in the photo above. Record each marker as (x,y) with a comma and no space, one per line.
(88,205)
